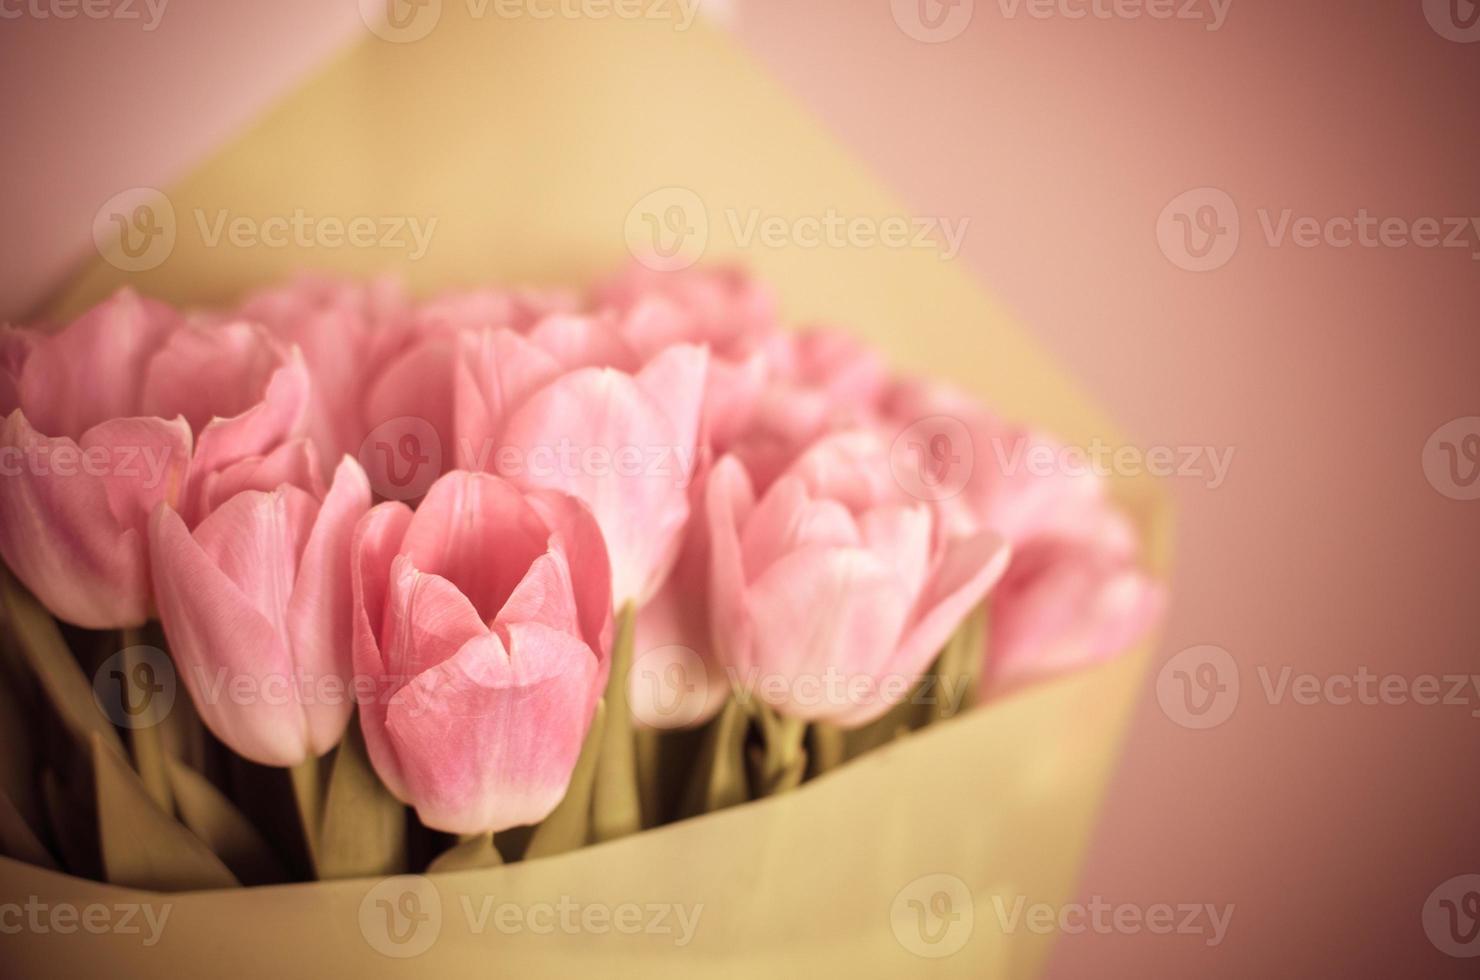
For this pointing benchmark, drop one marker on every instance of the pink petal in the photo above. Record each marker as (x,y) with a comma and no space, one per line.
(141,461)
(545,596)
(427,621)
(728,502)
(582,341)
(234,662)
(731,398)
(495,371)
(901,536)
(59,534)
(276,418)
(94,369)
(294,463)
(824,619)
(376,541)
(675,380)
(596,435)
(255,540)
(575,532)
(968,570)
(851,467)
(676,681)
(476,531)
(321,606)
(488,739)
(417,384)
(208,372)
(786,519)
(16,345)
(1077,610)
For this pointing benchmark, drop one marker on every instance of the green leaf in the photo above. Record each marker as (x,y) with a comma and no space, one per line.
(618,811)
(17,840)
(959,668)
(143,847)
(720,779)
(222,827)
(569,825)
(364,828)
(780,762)
(66,686)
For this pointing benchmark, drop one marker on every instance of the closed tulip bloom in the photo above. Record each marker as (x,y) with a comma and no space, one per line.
(485,617)
(1074,594)
(723,309)
(570,406)
(1069,602)
(256,604)
(125,408)
(348,332)
(834,590)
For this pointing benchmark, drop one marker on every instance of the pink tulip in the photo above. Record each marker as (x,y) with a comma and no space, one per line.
(256,605)
(815,381)
(723,309)
(125,408)
(832,593)
(1073,594)
(1005,488)
(486,617)
(348,331)
(571,407)
(1067,603)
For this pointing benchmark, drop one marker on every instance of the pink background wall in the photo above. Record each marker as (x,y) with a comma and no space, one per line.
(1324,369)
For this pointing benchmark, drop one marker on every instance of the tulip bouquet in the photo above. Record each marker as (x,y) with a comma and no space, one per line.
(339,582)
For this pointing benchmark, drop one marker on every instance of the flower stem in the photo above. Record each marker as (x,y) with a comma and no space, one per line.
(785,759)
(145,741)
(307,793)
(616,810)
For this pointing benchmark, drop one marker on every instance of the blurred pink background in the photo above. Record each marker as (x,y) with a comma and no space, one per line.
(1324,369)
